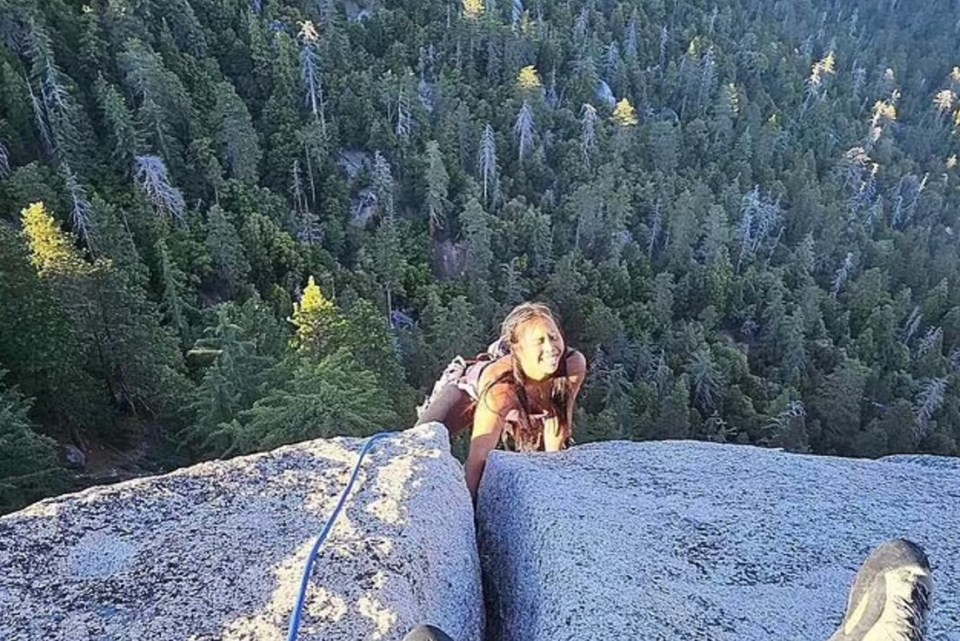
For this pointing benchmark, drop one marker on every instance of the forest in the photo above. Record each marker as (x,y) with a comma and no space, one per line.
(229,225)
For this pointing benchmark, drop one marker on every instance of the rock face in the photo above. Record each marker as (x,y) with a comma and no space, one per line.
(216,551)
(680,540)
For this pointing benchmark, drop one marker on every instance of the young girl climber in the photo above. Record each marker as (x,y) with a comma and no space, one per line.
(520,394)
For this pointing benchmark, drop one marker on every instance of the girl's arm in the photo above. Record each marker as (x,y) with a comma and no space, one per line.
(576,372)
(487,426)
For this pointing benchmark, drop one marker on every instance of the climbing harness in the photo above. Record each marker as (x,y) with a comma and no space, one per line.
(307,570)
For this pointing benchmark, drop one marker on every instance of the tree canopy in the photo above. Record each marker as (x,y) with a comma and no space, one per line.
(238,225)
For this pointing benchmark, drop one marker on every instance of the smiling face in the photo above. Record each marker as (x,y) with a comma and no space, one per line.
(539,347)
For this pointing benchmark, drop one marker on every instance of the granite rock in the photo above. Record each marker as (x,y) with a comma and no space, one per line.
(681,540)
(217,550)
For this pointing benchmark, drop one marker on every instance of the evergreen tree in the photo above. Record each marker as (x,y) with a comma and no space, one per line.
(278,120)
(237,137)
(173,303)
(437,184)
(673,418)
(135,357)
(835,409)
(29,469)
(331,397)
(41,347)
(451,329)
(230,265)
(125,139)
(241,373)
(476,236)
(319,327)
(524,129)
(487,164)
(152,179)
(164,109)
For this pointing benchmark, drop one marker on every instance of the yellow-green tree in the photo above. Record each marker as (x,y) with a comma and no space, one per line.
(317,321)
(39,345)
(51,249)
(624,114)
(119,328)
(528,79)
(473,9)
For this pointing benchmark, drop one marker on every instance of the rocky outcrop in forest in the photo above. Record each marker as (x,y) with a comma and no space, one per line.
(216,551)
(684,540)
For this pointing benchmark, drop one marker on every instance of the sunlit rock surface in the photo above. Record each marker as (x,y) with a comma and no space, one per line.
(216,551)
(677,541)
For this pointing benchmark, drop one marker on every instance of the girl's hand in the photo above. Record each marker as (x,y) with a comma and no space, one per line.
(552,439)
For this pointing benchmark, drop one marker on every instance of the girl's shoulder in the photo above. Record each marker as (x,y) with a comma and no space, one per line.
(576,362)
(497,389)
(496,372)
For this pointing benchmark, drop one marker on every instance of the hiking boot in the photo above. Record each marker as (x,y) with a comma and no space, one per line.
(890,596)
(427,633)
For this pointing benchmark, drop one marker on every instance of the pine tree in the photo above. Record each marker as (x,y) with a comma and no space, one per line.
(134,355)
(230,264)
(80,205)
(125,139)
(164,108)
(173,303)
(673,418)
(836,409)
(588,132)
(59,116)
(759,219)
(404,125)
(383,256)
(477,235)
(373,344)
(383,185)
(516,14)
(279,120)
(437,184)
(40,346)
(451,329)
(332,397)
(4,161)
(929,401)
(788,429)
(152,179)
(706,382)
(29,469)
(487,164)
(524,129)
(240,375)
(310,71)
(319,326)
(663,299)
(17,107)
(111,236)
(237,137)
(842,274)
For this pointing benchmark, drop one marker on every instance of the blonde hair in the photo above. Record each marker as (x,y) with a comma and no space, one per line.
(520,315)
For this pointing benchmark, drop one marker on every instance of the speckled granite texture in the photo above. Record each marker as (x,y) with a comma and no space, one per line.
(683,541)
(216,551)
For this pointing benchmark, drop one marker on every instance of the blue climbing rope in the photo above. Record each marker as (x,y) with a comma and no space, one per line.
(307,571)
